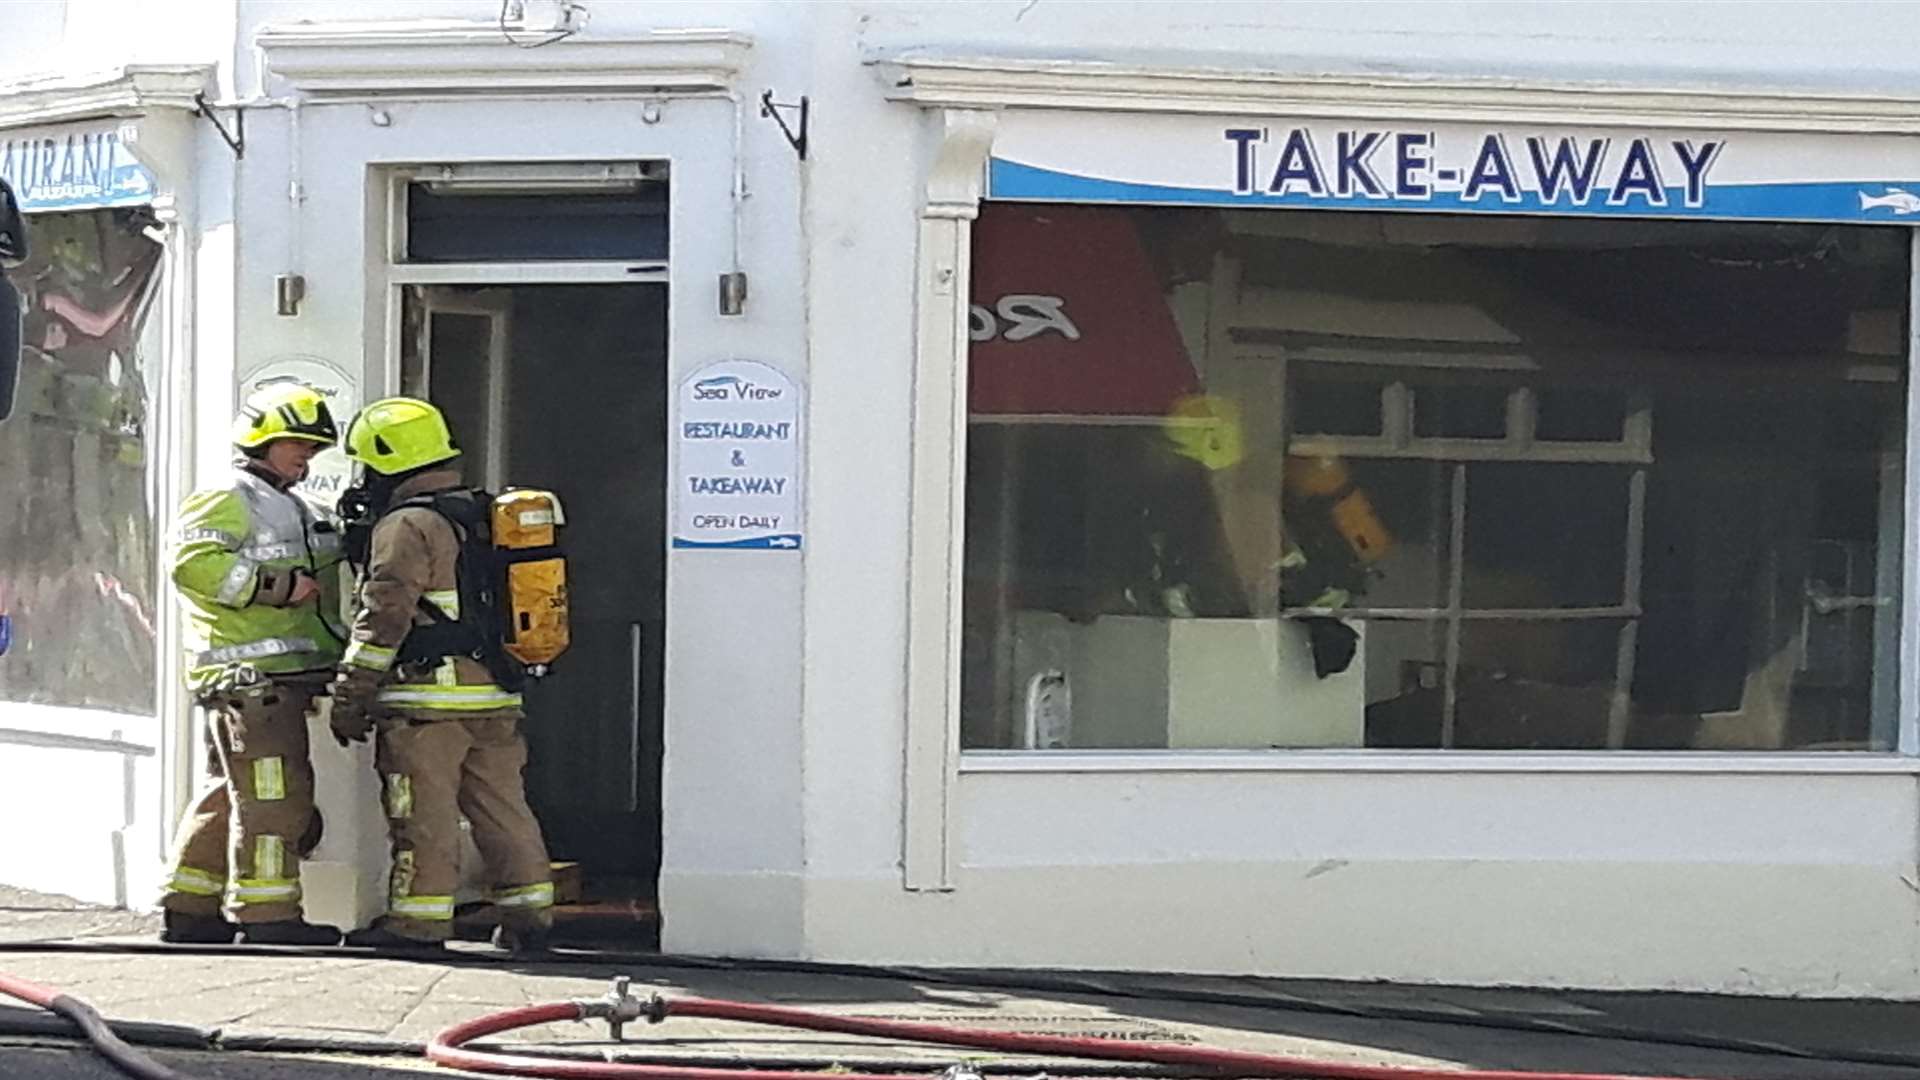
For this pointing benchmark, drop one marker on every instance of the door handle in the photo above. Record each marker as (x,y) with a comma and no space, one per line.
(1827,604)
(636,642)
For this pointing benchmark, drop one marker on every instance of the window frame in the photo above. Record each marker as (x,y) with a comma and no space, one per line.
(955,170)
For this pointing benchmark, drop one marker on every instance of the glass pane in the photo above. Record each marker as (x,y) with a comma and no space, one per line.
(1405,684)
(1520,686)
(551,225)
(1582,415)
(77,545)
(1545,535)
(1773,527)
(1101,554)
(1536,685)
(1134,529)
(1460,411)
(1324,405)
(461,379)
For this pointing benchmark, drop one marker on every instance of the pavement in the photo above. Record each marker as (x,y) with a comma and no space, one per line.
(32,916)
(233,1012)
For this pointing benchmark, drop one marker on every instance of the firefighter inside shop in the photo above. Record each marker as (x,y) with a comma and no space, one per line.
(257,572)
(1334,538)
(461,599)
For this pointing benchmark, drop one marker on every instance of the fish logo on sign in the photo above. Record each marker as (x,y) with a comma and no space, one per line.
(1898,200)
(293,380)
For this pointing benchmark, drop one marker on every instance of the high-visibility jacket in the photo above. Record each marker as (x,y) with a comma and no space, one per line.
(413,556)
(236,550)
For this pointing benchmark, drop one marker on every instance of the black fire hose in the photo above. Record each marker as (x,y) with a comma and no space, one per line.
(92,1025)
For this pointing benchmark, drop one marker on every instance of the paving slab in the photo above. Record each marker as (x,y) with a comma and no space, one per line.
(35,916)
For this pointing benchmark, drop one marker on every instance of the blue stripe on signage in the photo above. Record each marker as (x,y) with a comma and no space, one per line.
(1859,202)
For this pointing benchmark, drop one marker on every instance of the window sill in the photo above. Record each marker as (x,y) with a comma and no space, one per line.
(64,727)
(1835,763)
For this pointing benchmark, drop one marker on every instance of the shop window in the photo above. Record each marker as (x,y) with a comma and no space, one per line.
(77,461)
(1354,485)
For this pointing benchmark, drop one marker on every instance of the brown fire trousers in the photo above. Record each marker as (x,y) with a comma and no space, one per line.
(238,850)
(447,740)
(435,771)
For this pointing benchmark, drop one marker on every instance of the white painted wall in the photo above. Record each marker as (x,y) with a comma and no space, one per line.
(1774,884)
(1840,46)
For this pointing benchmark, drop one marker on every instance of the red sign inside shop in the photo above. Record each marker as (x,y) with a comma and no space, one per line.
(1068,317)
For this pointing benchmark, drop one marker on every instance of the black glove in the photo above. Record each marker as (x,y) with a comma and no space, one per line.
(354,693)
(1334,644)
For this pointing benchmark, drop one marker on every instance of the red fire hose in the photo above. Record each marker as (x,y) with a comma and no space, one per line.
(447,1048)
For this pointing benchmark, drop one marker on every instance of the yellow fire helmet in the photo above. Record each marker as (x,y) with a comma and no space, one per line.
(399,435)
(1207,429)
(286,410)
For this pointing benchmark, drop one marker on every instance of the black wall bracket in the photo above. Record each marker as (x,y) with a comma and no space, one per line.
(236,139)
(796,138)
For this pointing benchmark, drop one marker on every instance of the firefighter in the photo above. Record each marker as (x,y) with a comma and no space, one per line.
(258,574)
(1334,539)
(448,740)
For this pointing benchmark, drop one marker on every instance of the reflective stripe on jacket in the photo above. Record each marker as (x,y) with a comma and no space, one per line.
(413,554)
(235,551)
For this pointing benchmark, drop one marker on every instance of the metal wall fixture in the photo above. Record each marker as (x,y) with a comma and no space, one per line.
(796,136)
(288,291)
(236,139)
(733,292)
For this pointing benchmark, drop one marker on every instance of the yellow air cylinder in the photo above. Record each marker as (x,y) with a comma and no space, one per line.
(1351,512)
(526,529)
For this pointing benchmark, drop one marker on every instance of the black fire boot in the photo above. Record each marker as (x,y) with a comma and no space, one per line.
(381,938)
(523,942)
(288,932)
(181,928)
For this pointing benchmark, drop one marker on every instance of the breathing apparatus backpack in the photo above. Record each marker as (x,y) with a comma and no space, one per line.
(511,579)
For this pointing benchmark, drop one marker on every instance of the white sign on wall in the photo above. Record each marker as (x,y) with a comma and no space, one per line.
(330,472)
(739,474)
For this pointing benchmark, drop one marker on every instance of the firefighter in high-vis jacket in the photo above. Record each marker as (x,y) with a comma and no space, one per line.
(258,573)
(448,733)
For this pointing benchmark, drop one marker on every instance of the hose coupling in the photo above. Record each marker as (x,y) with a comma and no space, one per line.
(619,1008)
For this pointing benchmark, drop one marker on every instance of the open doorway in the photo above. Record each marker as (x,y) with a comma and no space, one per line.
(564,387)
